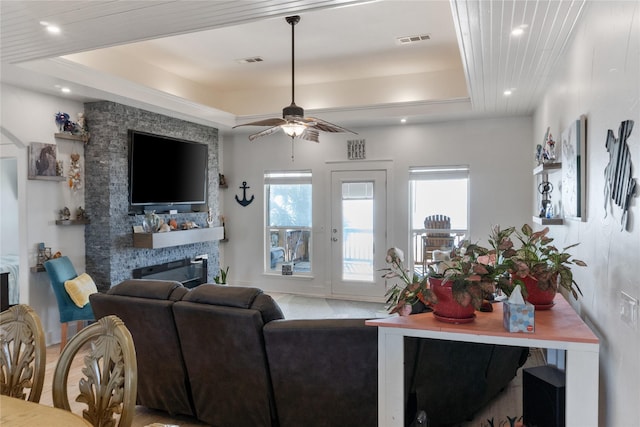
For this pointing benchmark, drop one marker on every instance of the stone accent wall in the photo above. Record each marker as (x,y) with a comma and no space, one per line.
(110,255)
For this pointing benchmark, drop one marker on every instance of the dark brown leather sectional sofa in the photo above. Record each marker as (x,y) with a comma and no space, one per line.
(226,356)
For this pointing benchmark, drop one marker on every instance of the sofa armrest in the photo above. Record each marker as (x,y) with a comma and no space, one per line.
(324,371)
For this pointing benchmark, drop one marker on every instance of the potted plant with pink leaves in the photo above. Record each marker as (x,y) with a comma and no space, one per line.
(414,288)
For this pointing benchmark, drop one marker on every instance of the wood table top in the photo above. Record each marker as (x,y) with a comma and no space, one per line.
(560,323)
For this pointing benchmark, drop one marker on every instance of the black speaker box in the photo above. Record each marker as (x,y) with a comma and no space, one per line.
(543,390)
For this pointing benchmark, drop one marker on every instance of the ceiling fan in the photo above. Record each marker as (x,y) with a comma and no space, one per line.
(293,122)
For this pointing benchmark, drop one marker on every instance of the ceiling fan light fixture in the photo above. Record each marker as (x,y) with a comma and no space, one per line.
(294,130)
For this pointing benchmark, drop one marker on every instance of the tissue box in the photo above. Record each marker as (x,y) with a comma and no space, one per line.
(518,317)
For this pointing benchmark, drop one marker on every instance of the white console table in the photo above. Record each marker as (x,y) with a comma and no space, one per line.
(557,328)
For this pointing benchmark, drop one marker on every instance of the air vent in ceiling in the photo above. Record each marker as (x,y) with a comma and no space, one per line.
(250,60)
(413,39)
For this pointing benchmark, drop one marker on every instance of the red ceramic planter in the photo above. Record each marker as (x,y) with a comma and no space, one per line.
(448,309)
(541,300)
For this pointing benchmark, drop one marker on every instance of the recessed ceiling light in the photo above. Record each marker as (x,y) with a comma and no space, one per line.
(403,120)
(51,28)
(507,92)
(65,90)
(519,30)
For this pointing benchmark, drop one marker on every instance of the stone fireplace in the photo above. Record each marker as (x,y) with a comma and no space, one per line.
(110,254)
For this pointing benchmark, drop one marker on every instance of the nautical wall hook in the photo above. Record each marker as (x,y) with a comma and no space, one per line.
(244,201)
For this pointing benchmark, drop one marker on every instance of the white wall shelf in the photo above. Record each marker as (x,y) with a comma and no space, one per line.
(176,238)
(547,168)
(81,138)
(72,221)
(543,172)
(548,221)
(47,178)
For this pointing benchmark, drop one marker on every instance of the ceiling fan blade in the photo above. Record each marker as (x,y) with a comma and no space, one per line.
(310,134)
(276,121)
(325,126)
(268,131)
(305,121)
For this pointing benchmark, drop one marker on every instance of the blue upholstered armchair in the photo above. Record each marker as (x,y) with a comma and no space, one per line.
(61,270)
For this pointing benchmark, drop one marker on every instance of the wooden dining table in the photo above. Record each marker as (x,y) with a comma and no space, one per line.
(22,413)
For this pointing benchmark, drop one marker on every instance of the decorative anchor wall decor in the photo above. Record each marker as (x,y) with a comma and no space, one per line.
(244,201)
(619,185)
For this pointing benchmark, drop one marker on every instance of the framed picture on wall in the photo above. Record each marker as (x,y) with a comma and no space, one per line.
(42,160)
(574,169)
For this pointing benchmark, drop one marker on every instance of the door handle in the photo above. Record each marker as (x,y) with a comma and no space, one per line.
(334,239)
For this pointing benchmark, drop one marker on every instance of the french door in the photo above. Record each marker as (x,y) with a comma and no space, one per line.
(358,232)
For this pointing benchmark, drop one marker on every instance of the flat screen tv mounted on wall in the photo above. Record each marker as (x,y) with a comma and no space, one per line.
(166,173)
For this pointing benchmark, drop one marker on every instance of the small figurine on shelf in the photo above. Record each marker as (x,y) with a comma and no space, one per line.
(65,214)
(549,149)
(81,214)
(61,120)
(549,211)
(81,127)
(151,222)
(44,254)
(539,157)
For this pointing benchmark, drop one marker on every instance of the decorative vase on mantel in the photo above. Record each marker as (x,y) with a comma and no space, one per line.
(447,309)
(151,222)
(541,299)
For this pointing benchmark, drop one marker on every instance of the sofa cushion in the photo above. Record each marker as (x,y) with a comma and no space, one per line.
(220,330)
(236,297)
(146,308)
(154,289)
(229,296)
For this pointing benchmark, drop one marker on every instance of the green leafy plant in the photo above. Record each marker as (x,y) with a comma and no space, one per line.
(539,258)
(221,278)
(415,287)
(470,271)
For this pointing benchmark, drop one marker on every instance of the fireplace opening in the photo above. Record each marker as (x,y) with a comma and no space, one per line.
(189,272)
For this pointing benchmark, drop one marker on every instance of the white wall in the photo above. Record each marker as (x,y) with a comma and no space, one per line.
(30,117)
(601,79)
(9,236)
(498,152)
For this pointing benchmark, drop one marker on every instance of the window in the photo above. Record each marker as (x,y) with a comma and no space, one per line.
(288,221)
(440,192)
(357,232)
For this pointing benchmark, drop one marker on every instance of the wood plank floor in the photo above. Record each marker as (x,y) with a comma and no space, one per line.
(508,403)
